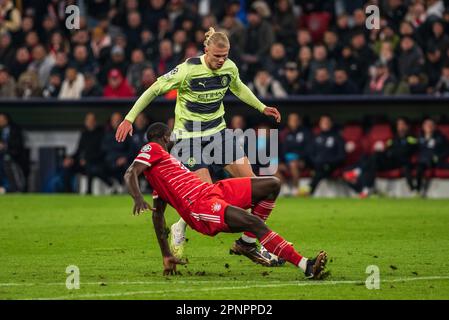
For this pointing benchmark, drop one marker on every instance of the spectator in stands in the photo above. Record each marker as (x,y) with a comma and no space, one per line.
(147,79)
(20,63)
(139,139)
(133,28)
(439,38)
(284,24)
(276,61)
(291,81)
(7,83)
(382,82)
(154,12)
(416,84)
(363,56)
(236,34)
(265,86)
(100,42)
(442,87)
(435,9)
(73,84)
(117,155)
(321,84)
(28,85)
(332,45)
(296,141)
(91,86)
(82,61)
(117,62)
(7,51)
(179,45)
(341,84)
(259,37)
(88,157)
(387,56)
(395,155)
(432,153)
(350,64)
(166,60)
(343,29)
(319,61)
(327,151)
(58,43)
(304,60)
(52,89)
(10,18)
(135,69)
(118,86)
(411,57)
(60,66)
(13,161)
(42,64)
(433,66)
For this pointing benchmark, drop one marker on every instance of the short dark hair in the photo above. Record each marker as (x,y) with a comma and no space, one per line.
(157,131)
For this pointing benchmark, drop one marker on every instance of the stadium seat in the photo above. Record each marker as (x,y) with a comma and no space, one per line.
(379,134)
(353,134)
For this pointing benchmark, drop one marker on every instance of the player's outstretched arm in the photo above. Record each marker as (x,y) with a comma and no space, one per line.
(162,231)
(240,90)
(132,183)
(165,83)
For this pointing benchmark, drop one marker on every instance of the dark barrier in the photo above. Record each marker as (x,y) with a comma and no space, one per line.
(38,114)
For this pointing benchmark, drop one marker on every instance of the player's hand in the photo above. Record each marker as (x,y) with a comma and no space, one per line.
(140,206)
(123,130)
(170,263)
(272,112)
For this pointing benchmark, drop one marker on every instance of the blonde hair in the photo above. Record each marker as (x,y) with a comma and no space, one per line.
(219,39)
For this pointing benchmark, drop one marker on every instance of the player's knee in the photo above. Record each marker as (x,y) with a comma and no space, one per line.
(275,185)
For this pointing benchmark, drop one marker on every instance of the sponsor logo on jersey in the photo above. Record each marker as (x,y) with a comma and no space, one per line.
(146,148)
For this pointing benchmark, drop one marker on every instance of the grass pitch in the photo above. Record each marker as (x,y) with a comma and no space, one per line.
(119,258)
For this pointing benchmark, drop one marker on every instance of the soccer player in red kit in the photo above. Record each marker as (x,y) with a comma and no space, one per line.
(209,208)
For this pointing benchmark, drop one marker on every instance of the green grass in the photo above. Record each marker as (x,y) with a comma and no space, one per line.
(119,258)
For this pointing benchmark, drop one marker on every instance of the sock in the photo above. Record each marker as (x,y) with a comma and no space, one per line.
(275,244)
(262,210)
(181,223)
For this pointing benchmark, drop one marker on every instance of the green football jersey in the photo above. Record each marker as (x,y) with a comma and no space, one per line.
(199,107)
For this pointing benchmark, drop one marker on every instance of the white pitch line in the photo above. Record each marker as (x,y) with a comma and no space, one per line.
(274,285)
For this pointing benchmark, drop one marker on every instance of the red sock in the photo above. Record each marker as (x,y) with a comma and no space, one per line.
(275,244)
(262,209)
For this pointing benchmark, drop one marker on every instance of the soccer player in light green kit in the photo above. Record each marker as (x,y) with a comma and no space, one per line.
(202,83)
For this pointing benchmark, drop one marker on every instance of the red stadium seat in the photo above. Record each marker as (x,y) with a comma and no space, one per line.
(353,135)
(444,129)
(379,134)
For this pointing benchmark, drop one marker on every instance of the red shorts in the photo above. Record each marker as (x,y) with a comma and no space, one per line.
(207,213)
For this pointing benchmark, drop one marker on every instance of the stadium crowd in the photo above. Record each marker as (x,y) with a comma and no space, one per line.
(283,47)
(353,153)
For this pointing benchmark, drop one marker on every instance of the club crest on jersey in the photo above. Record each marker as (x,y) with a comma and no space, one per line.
(146,148)
(224,81)
(216,207)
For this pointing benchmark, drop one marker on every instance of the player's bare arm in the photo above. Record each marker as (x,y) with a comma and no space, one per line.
(162,231)
(132,182)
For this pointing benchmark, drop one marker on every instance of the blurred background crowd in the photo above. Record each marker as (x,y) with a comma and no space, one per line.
(282,47)
(353,153)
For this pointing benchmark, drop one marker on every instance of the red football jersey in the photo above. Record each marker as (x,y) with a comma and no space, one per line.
(170,179)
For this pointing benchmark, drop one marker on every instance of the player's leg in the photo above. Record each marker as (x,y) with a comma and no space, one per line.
(187,153)
(239,220)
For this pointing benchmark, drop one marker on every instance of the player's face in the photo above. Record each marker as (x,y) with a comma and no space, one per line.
(216,56)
